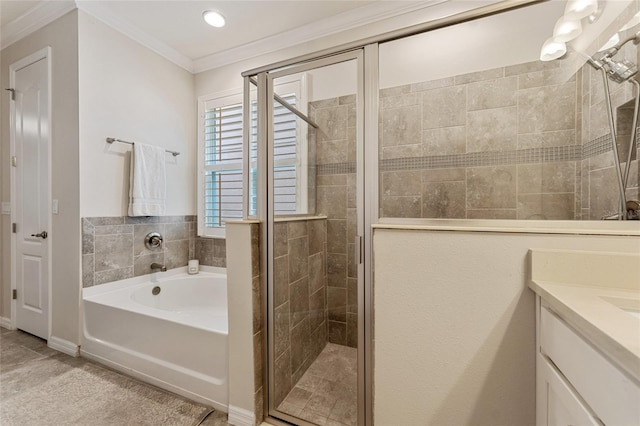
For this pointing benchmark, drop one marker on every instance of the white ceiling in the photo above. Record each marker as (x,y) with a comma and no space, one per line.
(179,24)
(176,29)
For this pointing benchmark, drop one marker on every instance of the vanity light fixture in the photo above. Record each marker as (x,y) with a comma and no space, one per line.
(632,22)
(552,49)
(214,18)
(566,29)
(578,9)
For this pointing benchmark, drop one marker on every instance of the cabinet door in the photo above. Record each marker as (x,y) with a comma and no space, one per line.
(559,405)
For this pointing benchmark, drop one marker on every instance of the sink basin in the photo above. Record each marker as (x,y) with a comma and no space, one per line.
(630,306)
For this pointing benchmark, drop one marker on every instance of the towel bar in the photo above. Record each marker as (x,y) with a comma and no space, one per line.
(112,140)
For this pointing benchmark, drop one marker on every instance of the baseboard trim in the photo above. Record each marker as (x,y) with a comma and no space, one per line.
(240,417)
(6,323)
(63,346)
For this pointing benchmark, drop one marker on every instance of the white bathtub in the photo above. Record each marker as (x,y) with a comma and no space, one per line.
(176,340)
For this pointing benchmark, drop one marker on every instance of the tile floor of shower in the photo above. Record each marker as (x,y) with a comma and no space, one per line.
(327,393)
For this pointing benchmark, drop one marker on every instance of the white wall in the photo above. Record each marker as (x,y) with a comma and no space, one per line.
(131,93)
(455,324)
(62,36)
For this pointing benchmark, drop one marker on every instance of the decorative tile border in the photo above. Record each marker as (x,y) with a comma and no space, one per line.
(552,154)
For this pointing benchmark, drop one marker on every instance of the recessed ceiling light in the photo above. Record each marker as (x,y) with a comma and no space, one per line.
(213,18)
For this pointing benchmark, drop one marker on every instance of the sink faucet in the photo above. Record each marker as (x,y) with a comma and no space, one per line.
(157,266)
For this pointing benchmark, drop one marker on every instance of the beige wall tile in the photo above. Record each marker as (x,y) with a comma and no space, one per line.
(433,84)
(492,94)
(445,107)
(403,151)
(547,108)
(401,206)
(332,123)
(473,77)
(444,175)
(547,77)
(402,183)
(491,187)
(401,126)
(444,200)
(444,141)
(492,129)
(547,139)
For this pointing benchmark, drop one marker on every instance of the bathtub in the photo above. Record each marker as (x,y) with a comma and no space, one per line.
(176,340)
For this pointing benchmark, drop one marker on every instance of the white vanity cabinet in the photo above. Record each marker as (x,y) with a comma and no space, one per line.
(576,384)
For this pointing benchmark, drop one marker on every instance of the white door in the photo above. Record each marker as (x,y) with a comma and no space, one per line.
(31,137)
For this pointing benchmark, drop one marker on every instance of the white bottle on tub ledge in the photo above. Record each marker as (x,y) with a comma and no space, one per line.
(194,267)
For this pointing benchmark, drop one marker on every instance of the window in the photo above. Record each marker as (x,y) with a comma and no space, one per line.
(220,178)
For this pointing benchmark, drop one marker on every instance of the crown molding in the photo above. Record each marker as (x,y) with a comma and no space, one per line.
(345,21)
(32,20)
(49,11)
(105,15)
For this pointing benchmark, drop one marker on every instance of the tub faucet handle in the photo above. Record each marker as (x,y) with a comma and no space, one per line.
(153,240)
(158,267)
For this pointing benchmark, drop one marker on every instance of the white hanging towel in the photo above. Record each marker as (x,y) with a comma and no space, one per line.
(148,181)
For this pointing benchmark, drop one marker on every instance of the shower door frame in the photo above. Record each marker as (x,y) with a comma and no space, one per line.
(266,215)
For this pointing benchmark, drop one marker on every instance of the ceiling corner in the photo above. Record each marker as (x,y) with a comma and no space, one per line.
(104,15)
(34,19)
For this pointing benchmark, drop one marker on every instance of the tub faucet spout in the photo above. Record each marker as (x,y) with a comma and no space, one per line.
(158,267)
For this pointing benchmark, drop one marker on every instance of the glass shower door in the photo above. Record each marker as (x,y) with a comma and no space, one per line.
(314,220)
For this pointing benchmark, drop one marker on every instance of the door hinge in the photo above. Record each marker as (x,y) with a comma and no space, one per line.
(13,93)
(14,294)
(14,161)
(14,227)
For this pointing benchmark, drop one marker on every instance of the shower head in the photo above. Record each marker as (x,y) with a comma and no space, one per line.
(620,71)
(615,49)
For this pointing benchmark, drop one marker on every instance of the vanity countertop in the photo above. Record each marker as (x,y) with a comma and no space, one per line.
(596,293)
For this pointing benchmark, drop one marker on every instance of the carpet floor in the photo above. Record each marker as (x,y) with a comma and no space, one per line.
(41,386)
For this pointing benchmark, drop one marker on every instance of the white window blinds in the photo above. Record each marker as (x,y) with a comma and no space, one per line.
(223,192)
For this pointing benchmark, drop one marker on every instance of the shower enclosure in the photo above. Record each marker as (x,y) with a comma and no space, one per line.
(314,225)
(477,129)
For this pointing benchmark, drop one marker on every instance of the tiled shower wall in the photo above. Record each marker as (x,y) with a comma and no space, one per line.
(336,199)
(258,325)
(497,144)
(300,292)
(518,142)
(113,247)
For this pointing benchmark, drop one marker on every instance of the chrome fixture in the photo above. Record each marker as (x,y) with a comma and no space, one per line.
(156,290)
(633,210)
(158,267)
(112,140)
(620,72)
(153,241)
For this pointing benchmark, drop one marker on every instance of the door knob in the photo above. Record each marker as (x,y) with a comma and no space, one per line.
(42,235)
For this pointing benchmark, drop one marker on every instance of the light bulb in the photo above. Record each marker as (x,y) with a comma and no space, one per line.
(552,49)
(213,18)
(632,22)
(567,29)
(615,39)
(578,9)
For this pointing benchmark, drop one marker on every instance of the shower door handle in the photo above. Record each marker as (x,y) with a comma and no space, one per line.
(359,248)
